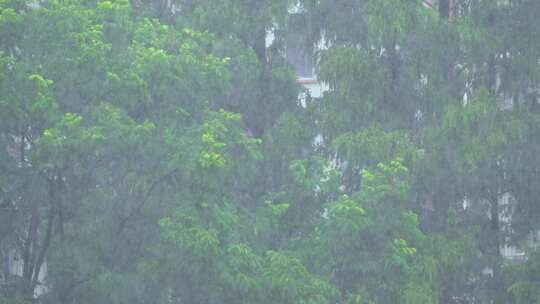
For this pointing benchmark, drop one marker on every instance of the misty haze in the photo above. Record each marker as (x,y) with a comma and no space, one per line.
(269,151)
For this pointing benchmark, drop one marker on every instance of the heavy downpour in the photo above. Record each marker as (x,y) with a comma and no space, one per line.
(269,151)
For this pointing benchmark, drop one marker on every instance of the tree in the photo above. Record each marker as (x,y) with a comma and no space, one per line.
(157,152)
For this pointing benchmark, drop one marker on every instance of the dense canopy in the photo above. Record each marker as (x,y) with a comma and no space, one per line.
(164,151)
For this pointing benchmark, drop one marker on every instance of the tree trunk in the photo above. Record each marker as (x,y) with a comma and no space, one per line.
(494,248)
(259,45)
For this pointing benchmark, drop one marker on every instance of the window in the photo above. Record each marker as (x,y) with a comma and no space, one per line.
(299,51)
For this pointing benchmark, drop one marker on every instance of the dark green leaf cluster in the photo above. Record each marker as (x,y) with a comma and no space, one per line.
(163,151)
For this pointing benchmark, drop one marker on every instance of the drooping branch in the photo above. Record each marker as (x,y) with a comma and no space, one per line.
(145,198)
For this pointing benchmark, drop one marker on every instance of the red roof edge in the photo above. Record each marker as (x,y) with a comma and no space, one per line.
(307,81)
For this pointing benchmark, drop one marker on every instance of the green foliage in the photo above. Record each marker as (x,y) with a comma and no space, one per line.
(523,279)
(157,152)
